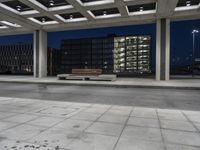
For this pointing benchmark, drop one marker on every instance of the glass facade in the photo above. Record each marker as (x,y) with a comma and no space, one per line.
(16,59)
(87,53)
(120,55)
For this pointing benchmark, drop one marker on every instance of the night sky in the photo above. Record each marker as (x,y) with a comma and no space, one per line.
(181,38)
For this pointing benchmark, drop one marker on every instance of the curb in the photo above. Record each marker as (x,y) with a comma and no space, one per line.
(106,85)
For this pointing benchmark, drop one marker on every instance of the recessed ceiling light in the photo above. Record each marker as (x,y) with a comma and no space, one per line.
(43,20)
(188,3)
(104,13)
(141,8)
(18,7)
(51,2)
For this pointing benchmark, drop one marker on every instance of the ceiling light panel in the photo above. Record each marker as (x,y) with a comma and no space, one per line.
(90,1)
(71,16)
(43,19)
(184,3)
(11,24)
(17,5)
(95,2)
(3,27)
(104,12)
(53,3)
(143,7)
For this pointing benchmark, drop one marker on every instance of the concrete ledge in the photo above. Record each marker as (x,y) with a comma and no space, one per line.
(102,77)
(119,83)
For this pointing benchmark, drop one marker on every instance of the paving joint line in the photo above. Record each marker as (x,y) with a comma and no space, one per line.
(125,124)
(163,140)
(18,124)
(191,123)
(20,113)
(97,118)
(53,125)
(93,122)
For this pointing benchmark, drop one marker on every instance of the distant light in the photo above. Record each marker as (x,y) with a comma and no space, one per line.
(51,3)
(104,13)
(141,8)
(188,3)
(18,8)
(195,31)
(145,38)
(71,16)
(43,20)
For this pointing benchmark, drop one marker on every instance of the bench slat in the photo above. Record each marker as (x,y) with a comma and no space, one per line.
(92,72)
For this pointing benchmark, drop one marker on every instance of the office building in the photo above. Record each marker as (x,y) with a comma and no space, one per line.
(18,59)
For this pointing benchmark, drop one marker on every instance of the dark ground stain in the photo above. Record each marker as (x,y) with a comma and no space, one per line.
(2,138)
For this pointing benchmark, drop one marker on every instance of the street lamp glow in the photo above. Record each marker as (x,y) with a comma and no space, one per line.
(195,31)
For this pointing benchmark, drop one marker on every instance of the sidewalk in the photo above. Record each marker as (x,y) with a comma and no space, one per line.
(120,82)
(27,124)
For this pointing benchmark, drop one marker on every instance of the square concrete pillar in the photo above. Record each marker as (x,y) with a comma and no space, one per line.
(40,54)
(163,49)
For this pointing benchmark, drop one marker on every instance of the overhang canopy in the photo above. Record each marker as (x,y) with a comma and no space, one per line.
(25,16)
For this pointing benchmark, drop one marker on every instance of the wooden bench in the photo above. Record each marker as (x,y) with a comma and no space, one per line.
(87,74)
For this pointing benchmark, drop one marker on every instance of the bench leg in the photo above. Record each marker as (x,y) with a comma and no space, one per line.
(86,79)
(61,78)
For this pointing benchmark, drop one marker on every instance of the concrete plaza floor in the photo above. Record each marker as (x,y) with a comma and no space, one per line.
(178,82)
(30,124)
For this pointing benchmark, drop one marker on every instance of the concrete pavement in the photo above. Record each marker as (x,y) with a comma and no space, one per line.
(27,124)
(63,117)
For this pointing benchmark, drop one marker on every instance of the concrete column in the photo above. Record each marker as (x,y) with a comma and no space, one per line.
(163,49)
(40,54)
